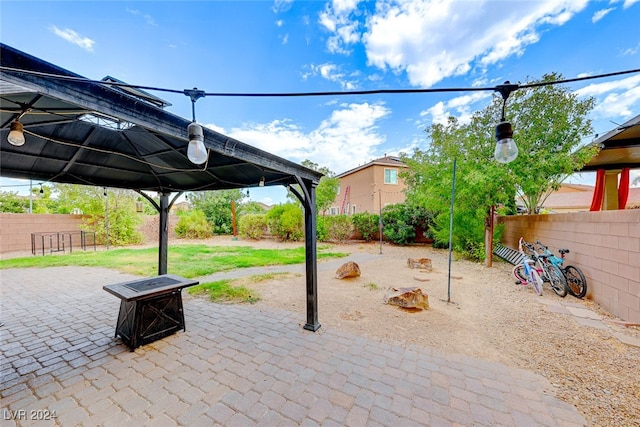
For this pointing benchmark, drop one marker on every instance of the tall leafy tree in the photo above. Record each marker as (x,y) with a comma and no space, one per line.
(216,206)
(327,188)
(12,203)
(549,123)
(118,207)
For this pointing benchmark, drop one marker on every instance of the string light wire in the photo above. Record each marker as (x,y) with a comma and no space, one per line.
(323,93)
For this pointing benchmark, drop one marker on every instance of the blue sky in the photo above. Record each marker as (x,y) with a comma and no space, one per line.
(311,46)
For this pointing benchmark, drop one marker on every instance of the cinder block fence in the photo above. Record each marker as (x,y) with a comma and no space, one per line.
(605,245)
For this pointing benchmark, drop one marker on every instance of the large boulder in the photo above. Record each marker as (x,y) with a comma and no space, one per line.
(407,298)
(421,263)
(349,269)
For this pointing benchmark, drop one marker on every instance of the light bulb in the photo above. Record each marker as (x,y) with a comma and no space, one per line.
(16,136)
(506,149)
(196,151)
(261,183)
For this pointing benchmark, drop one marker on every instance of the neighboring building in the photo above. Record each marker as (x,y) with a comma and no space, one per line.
(370,187)
(577,197)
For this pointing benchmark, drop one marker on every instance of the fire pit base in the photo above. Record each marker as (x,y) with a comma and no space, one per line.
(150,309)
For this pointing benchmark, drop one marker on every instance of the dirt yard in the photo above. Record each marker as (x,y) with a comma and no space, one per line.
(482,314)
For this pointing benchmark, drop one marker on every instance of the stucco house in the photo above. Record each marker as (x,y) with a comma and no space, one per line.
(370,187)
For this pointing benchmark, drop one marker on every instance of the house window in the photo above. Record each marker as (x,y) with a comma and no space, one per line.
(390,176)
(353,209)
(334,211)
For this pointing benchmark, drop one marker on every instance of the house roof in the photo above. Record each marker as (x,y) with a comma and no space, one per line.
(579,197)
(382,161)
(87,132)
(620,148)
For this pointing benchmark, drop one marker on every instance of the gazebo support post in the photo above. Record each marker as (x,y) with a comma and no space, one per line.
(311,251)
(163,236)
(163,229)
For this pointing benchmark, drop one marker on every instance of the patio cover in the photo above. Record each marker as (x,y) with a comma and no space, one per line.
(619,152)
(91,133)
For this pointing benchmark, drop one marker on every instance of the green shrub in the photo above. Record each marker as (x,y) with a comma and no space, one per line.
(285,222)
(397,226)
(322,234)
(193,225)
(339,227)
(252,226)
(367,224)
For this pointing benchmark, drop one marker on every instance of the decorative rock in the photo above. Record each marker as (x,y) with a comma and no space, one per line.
(349,269)
(407,298)
(422,263)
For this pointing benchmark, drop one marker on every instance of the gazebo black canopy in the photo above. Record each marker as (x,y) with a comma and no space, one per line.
(85,132)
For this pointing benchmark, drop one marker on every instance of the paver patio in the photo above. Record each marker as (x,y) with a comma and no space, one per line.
(236,365)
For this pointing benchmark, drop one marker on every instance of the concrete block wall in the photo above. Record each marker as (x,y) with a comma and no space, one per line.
(605,245)
(16,229)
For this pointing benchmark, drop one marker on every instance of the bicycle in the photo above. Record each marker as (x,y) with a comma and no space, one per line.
(525,272)
(576,282)
(548,272)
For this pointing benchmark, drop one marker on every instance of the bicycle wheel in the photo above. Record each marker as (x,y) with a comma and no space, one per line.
(557,280)
(519,274)
(536,281)
(576,283)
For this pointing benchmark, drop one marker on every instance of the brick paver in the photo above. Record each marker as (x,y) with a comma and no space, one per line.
(235,365)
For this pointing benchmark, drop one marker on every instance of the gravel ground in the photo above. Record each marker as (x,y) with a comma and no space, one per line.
(480,312)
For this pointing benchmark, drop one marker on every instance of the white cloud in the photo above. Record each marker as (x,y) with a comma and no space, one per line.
(434,39)
(348,137)
(74,38)
(336,19)
(148,18)
(631,51)
(333,73)
(617,98)
(628,3)
(459,107)
(281,5)
(601,14)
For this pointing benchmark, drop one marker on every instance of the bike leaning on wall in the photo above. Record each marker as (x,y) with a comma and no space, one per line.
(576,282)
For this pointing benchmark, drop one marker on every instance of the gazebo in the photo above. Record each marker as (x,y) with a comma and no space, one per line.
(81,131)
(619,152)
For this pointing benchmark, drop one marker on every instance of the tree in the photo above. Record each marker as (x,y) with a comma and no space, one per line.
(99,204)
(216,206)
(327,188)
(10,202)
(549,123)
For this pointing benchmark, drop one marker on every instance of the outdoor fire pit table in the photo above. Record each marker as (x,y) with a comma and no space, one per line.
(150,309)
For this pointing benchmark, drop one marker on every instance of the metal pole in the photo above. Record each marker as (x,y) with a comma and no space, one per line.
(106,216)
(380,218)
(453,194)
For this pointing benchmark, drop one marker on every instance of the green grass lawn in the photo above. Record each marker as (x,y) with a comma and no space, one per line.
(183,260)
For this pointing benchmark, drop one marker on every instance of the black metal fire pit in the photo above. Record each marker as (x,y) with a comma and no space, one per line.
(150,309)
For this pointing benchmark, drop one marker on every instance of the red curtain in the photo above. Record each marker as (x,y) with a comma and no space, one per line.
(596,202)
(623,188)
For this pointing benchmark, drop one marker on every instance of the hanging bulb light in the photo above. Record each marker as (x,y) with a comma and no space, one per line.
(196,151)
(261,183)
(16,134)
(506,149)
